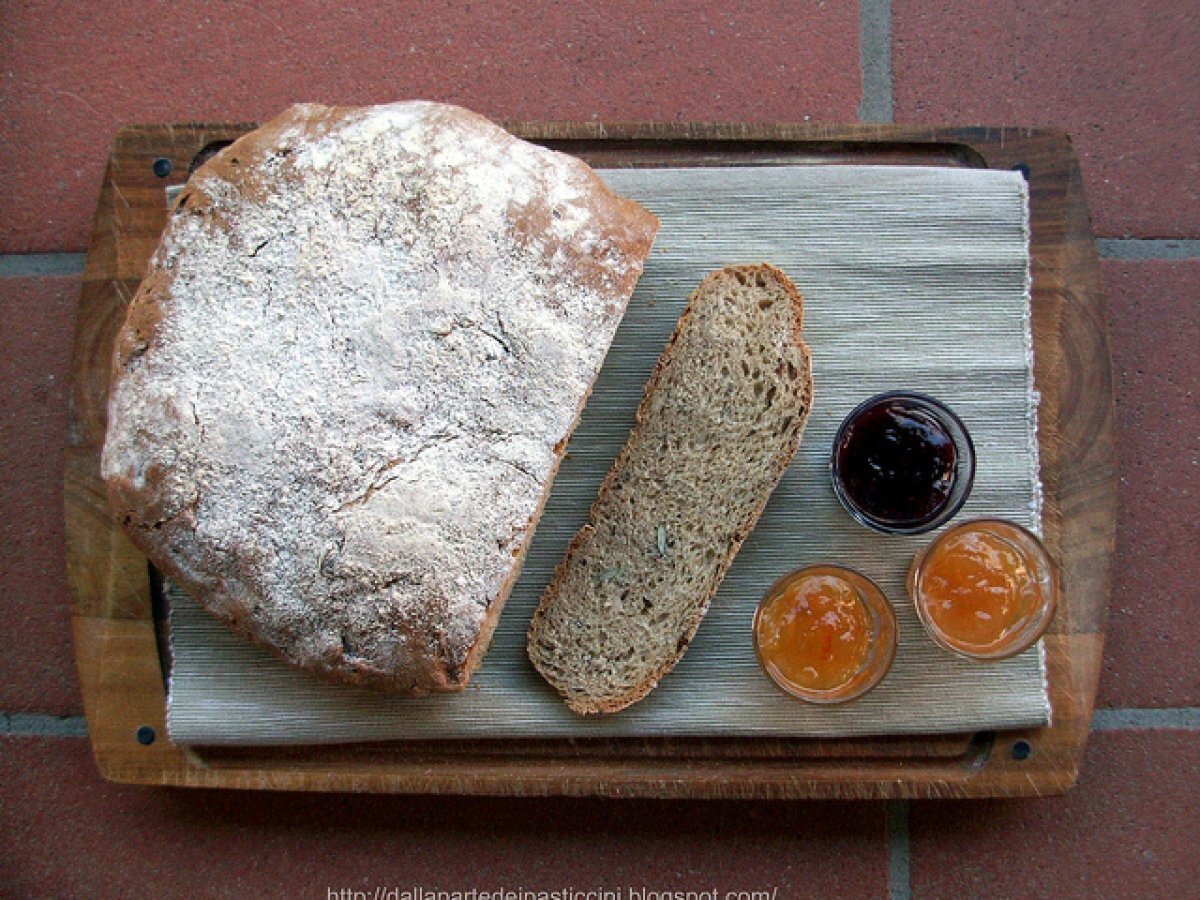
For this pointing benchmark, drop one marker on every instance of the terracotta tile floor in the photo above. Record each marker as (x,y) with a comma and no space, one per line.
(1123,79)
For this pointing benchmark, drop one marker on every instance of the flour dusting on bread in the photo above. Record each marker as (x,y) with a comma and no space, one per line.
(348,378)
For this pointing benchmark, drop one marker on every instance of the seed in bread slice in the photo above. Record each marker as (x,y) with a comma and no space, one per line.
(720,421)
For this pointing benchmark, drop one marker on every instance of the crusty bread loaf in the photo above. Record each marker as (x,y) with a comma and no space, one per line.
(721,419)
(347,380)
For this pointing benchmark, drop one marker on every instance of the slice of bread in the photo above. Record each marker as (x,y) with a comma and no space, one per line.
(719,423)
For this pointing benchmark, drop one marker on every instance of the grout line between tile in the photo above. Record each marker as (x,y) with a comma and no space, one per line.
(1147,248)
(898,869)
(875,60)
(41,725)
(1187,717)
(25,265)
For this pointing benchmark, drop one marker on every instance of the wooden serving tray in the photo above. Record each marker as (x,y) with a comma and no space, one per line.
(116,616)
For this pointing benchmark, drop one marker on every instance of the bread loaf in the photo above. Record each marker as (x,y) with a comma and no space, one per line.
(346,382)
(721,419)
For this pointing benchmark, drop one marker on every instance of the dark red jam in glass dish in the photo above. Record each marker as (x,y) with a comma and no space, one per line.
(902,463)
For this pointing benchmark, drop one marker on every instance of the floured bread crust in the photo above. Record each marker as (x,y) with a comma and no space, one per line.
(345,384)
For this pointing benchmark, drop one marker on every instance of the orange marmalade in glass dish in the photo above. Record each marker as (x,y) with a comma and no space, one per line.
(986,589)
(825,634)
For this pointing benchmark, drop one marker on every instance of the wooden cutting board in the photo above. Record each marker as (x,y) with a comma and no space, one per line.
(116,615)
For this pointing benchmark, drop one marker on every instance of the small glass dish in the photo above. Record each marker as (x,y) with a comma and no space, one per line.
(824,634)
(902,463)
(985,589)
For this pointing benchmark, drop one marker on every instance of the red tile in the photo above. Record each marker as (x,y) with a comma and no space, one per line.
(75,72)
(37,667)
(1122,78)
(68,833)
(1127,830)
(1153,629)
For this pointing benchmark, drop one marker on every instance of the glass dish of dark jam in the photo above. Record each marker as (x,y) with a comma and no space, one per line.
(903,463)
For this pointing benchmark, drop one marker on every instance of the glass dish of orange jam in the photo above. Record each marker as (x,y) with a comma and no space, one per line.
(986,589)
(825,634)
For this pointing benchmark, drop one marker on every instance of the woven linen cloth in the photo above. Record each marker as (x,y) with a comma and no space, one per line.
(913,277)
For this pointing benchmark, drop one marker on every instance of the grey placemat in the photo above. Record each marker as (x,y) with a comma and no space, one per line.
(912,277)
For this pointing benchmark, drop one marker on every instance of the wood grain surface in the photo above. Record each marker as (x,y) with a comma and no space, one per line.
(114,613)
